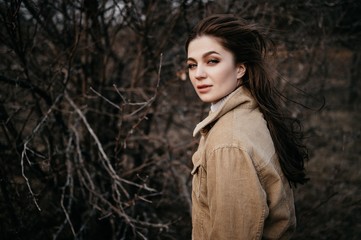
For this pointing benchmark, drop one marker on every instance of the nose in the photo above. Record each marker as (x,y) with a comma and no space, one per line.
(200,73)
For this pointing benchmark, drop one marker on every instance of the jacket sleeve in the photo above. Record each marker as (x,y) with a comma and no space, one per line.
(237,201)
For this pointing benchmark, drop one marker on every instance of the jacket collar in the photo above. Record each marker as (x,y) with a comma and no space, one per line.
(240,97)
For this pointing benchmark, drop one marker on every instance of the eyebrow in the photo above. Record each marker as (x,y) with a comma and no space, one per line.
(204,55)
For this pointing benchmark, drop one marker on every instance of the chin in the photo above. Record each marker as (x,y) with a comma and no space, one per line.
(206,100)
(209,99)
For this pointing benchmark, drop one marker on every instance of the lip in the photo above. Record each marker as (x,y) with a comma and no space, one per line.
(204,88)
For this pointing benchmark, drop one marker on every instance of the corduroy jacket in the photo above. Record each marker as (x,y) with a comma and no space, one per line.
(238,188)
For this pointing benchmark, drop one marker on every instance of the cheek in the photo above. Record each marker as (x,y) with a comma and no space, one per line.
(228,76)
(191,78)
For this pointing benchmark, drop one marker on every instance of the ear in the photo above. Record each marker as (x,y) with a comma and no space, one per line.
(241,70)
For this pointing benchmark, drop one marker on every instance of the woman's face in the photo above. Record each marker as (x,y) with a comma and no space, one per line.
(212,69)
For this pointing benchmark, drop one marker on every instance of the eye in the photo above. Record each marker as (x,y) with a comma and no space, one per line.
(191,65)
(213,61)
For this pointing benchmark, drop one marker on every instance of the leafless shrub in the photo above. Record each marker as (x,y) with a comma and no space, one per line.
(96,117)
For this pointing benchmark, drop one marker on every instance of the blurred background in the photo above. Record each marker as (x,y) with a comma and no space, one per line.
(97,114)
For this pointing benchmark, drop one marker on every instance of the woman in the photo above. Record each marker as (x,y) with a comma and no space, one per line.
(248,157)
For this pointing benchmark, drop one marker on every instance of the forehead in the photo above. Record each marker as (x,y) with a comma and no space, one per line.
(203,44)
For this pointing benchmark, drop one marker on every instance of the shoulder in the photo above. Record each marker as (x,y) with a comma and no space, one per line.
(239,127)
(242,129)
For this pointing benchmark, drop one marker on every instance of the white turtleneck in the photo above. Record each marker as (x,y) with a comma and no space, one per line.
(215,106)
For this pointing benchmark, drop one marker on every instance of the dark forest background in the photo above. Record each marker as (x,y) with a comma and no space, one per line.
(97,112)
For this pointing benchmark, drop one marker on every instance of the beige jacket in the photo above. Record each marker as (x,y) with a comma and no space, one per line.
(239,191)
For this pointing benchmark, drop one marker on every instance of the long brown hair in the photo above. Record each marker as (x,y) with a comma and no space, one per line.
(250,47)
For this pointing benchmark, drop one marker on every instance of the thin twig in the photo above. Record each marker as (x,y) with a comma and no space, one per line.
(106,99)
(26,148)
(24,155)
(149,103)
